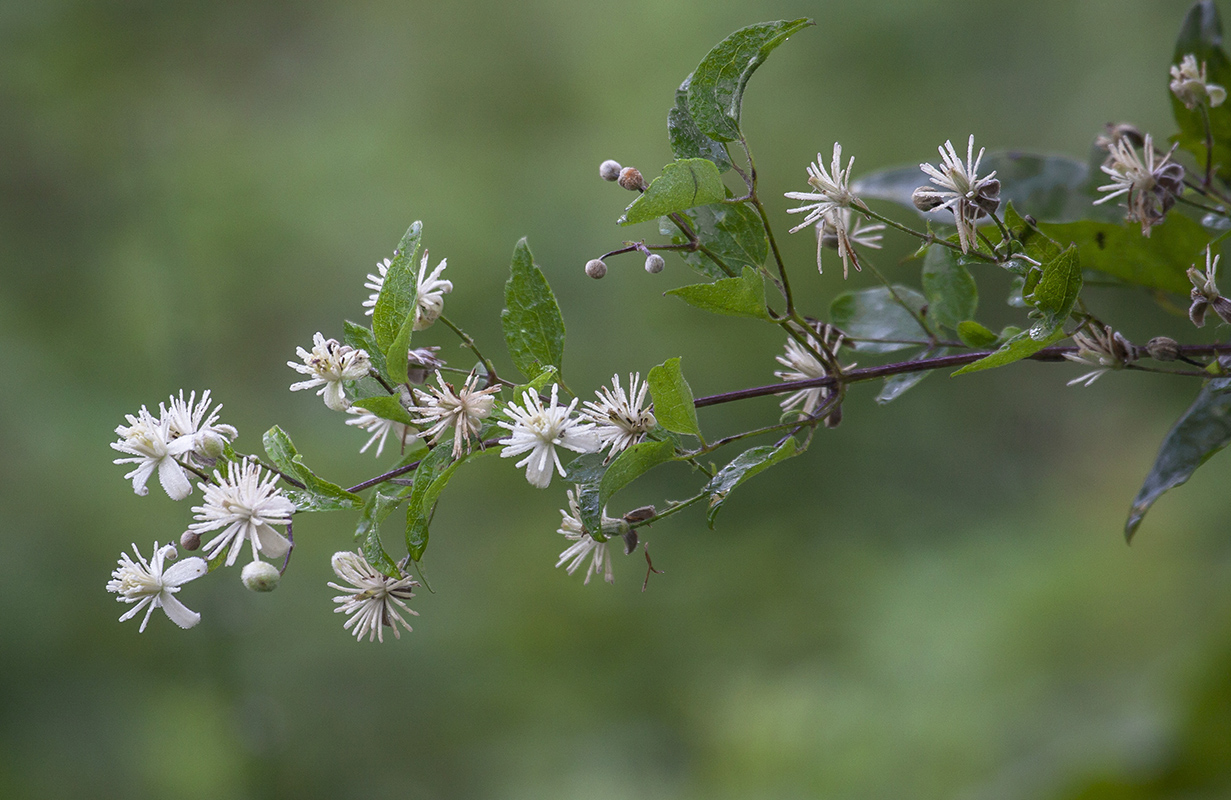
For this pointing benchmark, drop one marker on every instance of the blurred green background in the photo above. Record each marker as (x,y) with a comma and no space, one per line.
(934,602)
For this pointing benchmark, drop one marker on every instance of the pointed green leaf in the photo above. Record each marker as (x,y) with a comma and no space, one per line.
(533,327)
(744,466)
(897,385)
(949,288)
(1203,430)
(716,92)
(684,184)
(386,407)
(1158,261)
(393,317)
(1057,289)
(673,400)
(1020,346)
(431,477)
(545,378)
(361,338)
(875,314)
(367,531)
(975,335)
(734,297)
(631,464)
(1201,36)
(734,233)
(687,140)
(317,494)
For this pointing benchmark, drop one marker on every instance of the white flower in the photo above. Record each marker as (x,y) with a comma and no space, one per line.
(188,418)
(464,411)
(430,291)
(835,231)
(330,363)
(1105,349)
(372,598)
(1188,83)
(962,191)
(829,207)
(1151,187)
(151,445)
(380,429)
(619,420)
(538,430)
(1205,294)
(150,587)
(583,544)
(246,506)
(805,366)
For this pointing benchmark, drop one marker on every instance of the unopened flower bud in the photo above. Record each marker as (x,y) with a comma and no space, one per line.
(630,541)
(925,199)
(1116,132)
(1163,348)
(630,178)
(191,540)
(640,514)
(595,268)
(654,264)
(609,170)
(260,576)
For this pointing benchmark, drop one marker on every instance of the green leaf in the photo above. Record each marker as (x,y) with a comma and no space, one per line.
(385,407)
(548,376)
(734,297)
(431,477)
(672,396)
(533,327)
(734,233)
(1056,291)
(1201,35)
(744,466)
(875,314)
(367,531)
(1158,261)
(362,338)
(317,494)
(684,184)
(393,317)
(1203,430)
(632,463)
(975,335)
(687,140)
(1020,346)
(949,288)
(897,385)
(716,92)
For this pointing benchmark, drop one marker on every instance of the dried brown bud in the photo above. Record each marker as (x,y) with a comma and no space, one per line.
(630,178)
(834,419)
(1222,307)
(640,514)
(1117,132)
(925,199)
(1163,348)
(988,198)
(595,268)
(1196,311)
(630,541)
(609,170)
(190,540)
(421,362)
(654,264)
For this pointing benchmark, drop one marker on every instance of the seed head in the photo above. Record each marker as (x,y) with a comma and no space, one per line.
(595,268)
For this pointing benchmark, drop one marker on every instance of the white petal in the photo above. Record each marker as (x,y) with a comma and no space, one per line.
(272,543)
(178,613)
(186,570)
(173,479)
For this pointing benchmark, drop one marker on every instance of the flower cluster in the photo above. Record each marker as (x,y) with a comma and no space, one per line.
(150,586)
(245,504)
(431,290)
(960,190)
(802,365)
(829,210)
(1150,186)
(1189,84)
(330,364)
(583,544)
(463,411)
(1205,294)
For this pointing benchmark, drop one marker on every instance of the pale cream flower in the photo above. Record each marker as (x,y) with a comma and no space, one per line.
(802,366)
(330,364)
(539,429)
(619,419)
(1150,186)
(961,190)
(430,291)
(188,418)
(246,506)
(1105,349)
(380,428)
(373,601)
(152,447)
(148,585)
(583,544)
(464,411)
(1189,84)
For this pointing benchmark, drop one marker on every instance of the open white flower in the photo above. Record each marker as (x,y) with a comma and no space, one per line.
(538,430)
(148,585)
(430,291)
(1189,84)
(372,601)
(330,363)
(836,231)
(802,366)
(961,190)
(619,419)
(380,428)
(464,411)
(246,506)
(188,418)
(829,207)
(583,544)
(1150,186)
(152,447)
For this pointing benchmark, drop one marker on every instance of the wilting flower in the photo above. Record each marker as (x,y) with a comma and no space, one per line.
(619,420)
(246,506)
(583,544)
(962,191)
(538,430)
(149,586)
(1205,292)
(1188,83)
(836,232)
(196,422)
(1105,349)
(804,366)
(372,601)
(330,363)
(152,447)
(464,411)
(430,291)
(380,428)
(829,207)
(422,362)
(1151,187)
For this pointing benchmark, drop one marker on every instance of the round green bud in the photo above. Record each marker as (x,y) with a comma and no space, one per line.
(261,576)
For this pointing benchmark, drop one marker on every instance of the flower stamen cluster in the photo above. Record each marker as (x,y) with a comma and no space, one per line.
(619,419)
(829,209)
(583,544)
(246,504)
(803,365)
(538,429)
(1205,294)
(1105,348)
(149,586)
(330,364)
(463,410)
(1151,186)
(373,601)
(431,290)
(965,194)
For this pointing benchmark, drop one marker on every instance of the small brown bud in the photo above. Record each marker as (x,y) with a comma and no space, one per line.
(834,419)
(925,199)
(190,540)
(654,264)
(609,170)
(988,198)
(630,178)
(1117,132)
(1163,348)
(595,268)
(630,541)
(639,514)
